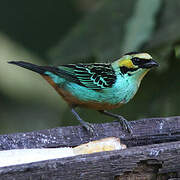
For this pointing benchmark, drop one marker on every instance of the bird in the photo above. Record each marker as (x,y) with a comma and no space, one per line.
(98,86)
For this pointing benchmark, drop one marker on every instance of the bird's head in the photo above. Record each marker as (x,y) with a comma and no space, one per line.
(135,64)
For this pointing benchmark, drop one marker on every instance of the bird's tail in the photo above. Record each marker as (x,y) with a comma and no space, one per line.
(32,67)
(50,71)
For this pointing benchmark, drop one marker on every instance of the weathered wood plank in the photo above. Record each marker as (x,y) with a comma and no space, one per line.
(157,161)
(146,131)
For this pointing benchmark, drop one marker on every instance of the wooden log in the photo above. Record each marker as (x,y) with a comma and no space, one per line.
(157,161)
(146,131)
(147,157)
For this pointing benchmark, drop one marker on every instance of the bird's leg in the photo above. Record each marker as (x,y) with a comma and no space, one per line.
(89,127)
(124,123)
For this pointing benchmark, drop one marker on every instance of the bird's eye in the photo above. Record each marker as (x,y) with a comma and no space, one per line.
(136,61)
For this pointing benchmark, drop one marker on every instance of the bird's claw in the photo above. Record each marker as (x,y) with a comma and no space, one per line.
(90,128)
(125,125)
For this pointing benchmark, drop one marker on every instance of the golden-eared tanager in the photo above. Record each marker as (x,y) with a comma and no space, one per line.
(99,86)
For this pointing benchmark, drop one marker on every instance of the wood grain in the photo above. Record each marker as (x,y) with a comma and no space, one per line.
(153,152)
(146,131)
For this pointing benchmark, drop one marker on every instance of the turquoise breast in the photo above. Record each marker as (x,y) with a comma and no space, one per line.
(121,92)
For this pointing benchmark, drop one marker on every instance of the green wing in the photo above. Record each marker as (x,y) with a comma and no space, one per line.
(95,76)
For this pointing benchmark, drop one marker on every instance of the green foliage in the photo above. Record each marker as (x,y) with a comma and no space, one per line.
(100,33)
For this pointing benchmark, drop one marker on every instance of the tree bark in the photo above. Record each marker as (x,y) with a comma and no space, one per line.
(153,152)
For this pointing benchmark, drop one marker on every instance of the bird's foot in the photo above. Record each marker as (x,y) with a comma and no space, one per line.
(125,124)
(90,128)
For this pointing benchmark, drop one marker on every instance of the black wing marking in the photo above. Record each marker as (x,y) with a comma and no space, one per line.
(95,76)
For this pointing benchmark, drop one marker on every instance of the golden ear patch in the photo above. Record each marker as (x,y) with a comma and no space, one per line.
(127,63)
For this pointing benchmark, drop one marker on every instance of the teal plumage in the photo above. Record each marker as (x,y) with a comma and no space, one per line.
(86,88)
(99,86)
(111,87)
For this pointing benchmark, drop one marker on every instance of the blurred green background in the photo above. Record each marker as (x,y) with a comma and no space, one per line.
(69,31)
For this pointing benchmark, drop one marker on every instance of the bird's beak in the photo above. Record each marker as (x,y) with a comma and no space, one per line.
(149,64)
